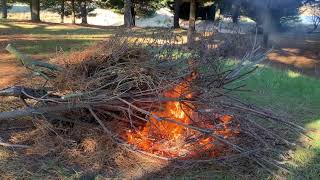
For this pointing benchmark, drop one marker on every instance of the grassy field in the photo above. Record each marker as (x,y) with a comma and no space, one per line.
(297,97)
(48,38)
(288,93)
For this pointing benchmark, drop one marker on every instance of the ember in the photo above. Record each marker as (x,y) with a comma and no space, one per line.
(175,140)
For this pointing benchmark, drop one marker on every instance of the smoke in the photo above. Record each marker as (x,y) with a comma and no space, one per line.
(268,13)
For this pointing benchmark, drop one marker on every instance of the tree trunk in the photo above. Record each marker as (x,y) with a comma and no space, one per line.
(192,23)
(235,11)
(84,12)
(35,10)
(28,62)
(217,12)
(177,4)
(62,12)
(315,27)
(265,39)
(267,28)
(275,23)
(73,13)
(4,9)
(129,15)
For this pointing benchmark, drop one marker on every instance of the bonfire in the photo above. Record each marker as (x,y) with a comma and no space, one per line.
(158,98)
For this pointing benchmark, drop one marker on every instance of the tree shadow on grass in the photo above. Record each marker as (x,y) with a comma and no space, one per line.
(308,159)
(299,52)
(27,27)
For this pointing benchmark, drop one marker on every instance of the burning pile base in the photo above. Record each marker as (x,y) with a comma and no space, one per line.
(156,97)
(175,139)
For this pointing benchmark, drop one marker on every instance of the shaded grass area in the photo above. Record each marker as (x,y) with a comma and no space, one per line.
(26,27)
(309,159)
(295,94)
(43,47)
(14,166)
(46,38)
(297,97)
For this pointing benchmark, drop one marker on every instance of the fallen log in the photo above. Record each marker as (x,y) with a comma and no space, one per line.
(28,62)
(39,111)
(25,92)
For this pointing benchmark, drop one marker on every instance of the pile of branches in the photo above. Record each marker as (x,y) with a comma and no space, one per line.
(124,80)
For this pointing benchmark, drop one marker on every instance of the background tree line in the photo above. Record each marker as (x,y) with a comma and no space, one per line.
(270,15)
(274,11)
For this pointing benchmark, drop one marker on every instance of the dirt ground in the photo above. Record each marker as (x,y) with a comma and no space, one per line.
(298,52)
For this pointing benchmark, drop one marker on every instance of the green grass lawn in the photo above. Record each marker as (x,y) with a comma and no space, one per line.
(287,93)
(297,97)
(45,39)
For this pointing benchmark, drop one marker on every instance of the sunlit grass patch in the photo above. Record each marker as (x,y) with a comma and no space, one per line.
(292,74)
(275,88)
(3,26)
(20,28)
(26,26)
(314,133)
(296,97)
(307,160)
(60,27)
(44,47)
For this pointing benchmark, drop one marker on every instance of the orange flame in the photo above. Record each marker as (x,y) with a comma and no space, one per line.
(172,140)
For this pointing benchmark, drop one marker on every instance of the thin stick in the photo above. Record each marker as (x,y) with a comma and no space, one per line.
(13,145)
(30,63)
(100,122)
(266,115)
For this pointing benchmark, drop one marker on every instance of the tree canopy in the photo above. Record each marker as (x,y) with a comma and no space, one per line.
(271,12)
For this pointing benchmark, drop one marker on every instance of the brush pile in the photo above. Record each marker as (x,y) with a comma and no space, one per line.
(157,97)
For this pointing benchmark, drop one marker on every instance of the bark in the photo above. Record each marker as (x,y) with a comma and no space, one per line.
(62,12)
(217,12)
(267,27)
(13,145)
(177,4)
(25,92)
(192,23)
(265,39)
(4,9)
(28,62)
(73,13)
(41,110)
(35,10)
(266,32)
(84,12)
(129,15)
(235,11)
